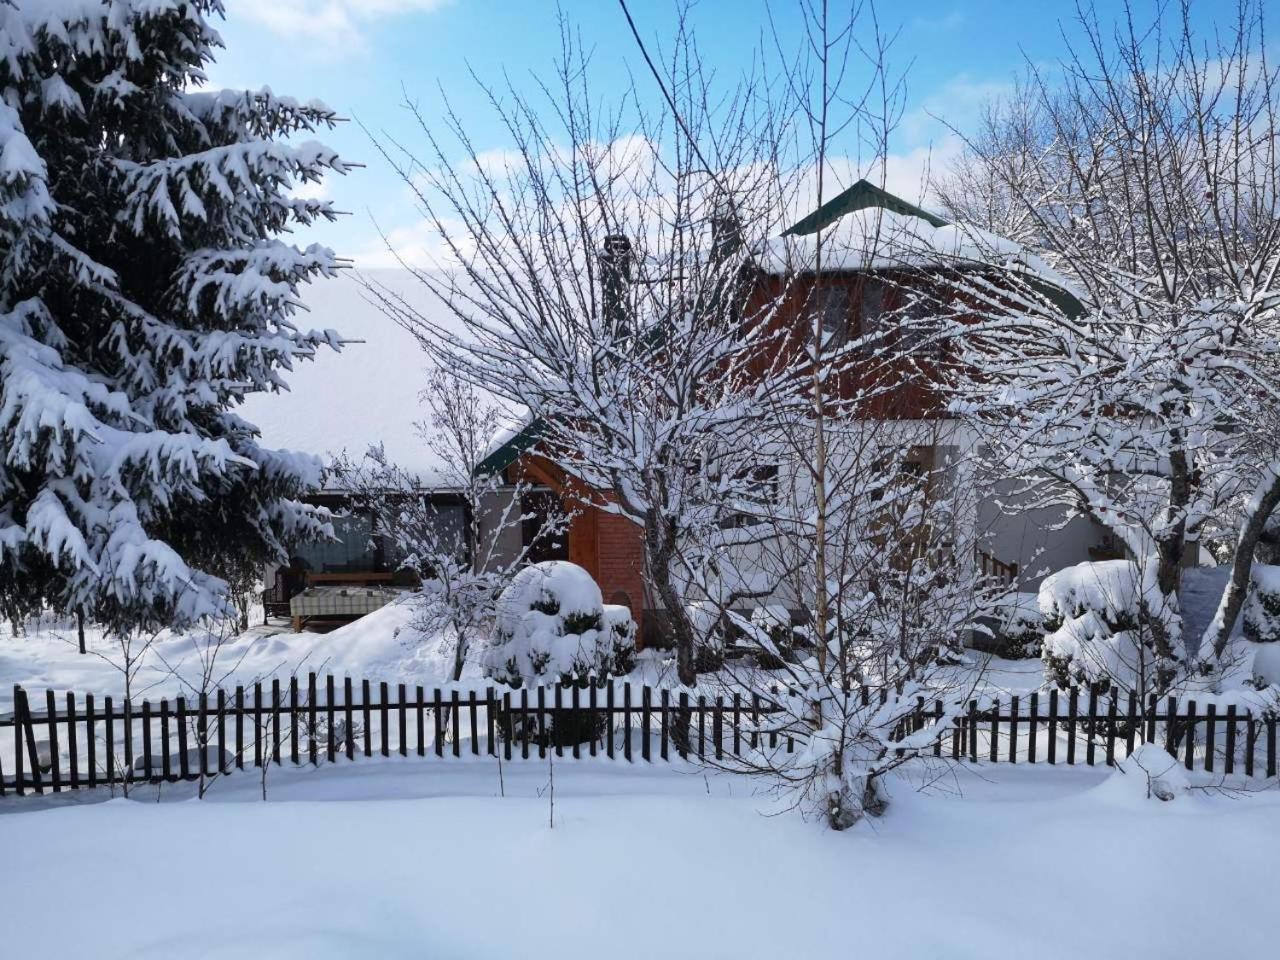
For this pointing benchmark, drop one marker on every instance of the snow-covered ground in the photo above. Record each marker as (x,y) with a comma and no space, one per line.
(387,646)
(641,862)
(382,646)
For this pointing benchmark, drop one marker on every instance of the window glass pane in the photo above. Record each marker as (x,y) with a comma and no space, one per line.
(353,550)
(871,307)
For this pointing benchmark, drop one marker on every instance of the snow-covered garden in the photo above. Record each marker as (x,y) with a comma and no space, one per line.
(925,583)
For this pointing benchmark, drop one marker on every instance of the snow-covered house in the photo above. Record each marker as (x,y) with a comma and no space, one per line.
(370,394)
(877,249)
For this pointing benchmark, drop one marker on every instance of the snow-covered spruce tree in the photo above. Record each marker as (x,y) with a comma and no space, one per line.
(144,292)
(1138,400)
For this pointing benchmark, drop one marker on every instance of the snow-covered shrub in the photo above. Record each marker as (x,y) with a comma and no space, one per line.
(1149,773)
(1262,605)
(1266,667)
(1091,622)
(552,625)
(1021,627)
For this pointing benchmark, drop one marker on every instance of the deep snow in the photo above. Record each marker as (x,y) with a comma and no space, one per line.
(642,862)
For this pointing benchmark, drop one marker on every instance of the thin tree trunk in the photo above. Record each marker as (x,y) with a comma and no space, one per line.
(1266,499)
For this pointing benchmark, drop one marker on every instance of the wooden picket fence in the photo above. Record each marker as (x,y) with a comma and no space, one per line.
(95,741)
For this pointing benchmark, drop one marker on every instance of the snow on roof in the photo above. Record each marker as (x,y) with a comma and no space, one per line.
(366,393)
(879,239)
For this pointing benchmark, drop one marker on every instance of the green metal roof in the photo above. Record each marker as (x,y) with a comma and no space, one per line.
(510,450)
(861,196)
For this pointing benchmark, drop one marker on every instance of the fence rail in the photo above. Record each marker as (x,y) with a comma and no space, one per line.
(77,742)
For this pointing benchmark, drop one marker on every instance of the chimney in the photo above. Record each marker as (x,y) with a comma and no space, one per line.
(615,282)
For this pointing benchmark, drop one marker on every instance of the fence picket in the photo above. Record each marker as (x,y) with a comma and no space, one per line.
(91,742)
(202,733)
(384,720)
(644,722)
(240,728)
(331,738)
(184,761)
(73,758)
(455,720)
(994,747)
(525,725)
(402,720)
(275,721)
(293,719)
(557,722)
(665,707)
(366,716)
(257,724)
(626,722)
(1250,743)
(1230,763)
(472,708)
(1111,728)
(420,719)
(702,727)
(1190,734)
(73,765)
(490,709)
(1271,746)
(222,732)
(18,772)
(1210,732)
(1031,726)
(577,747)
(1013,729)
(1089,746)
(349,718)
(592,691)
(55,755)
(110,728)
(313,728)
(973,730)
(1073,711)
(1053,726)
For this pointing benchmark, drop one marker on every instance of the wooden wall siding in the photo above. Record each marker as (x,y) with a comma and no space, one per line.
(607,546)
(907,393)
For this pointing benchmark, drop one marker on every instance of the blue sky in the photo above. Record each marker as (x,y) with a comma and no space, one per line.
(361,56)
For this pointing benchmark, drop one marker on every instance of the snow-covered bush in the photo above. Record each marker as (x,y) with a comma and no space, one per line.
(1090,615)
(1262,605)
(1021,627)
(553,625)
(1266,667)
(1149,773)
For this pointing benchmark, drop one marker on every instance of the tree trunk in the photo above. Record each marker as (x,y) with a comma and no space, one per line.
(1265,501)
(660,547)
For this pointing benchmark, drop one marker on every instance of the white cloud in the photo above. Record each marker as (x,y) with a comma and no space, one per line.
(336,24)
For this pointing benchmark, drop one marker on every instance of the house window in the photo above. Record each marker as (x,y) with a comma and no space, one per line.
(538,508)
(917,324)
(831,305)
(871,309)
(354,550)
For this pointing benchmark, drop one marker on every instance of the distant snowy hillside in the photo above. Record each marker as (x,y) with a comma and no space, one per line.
(367,393)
